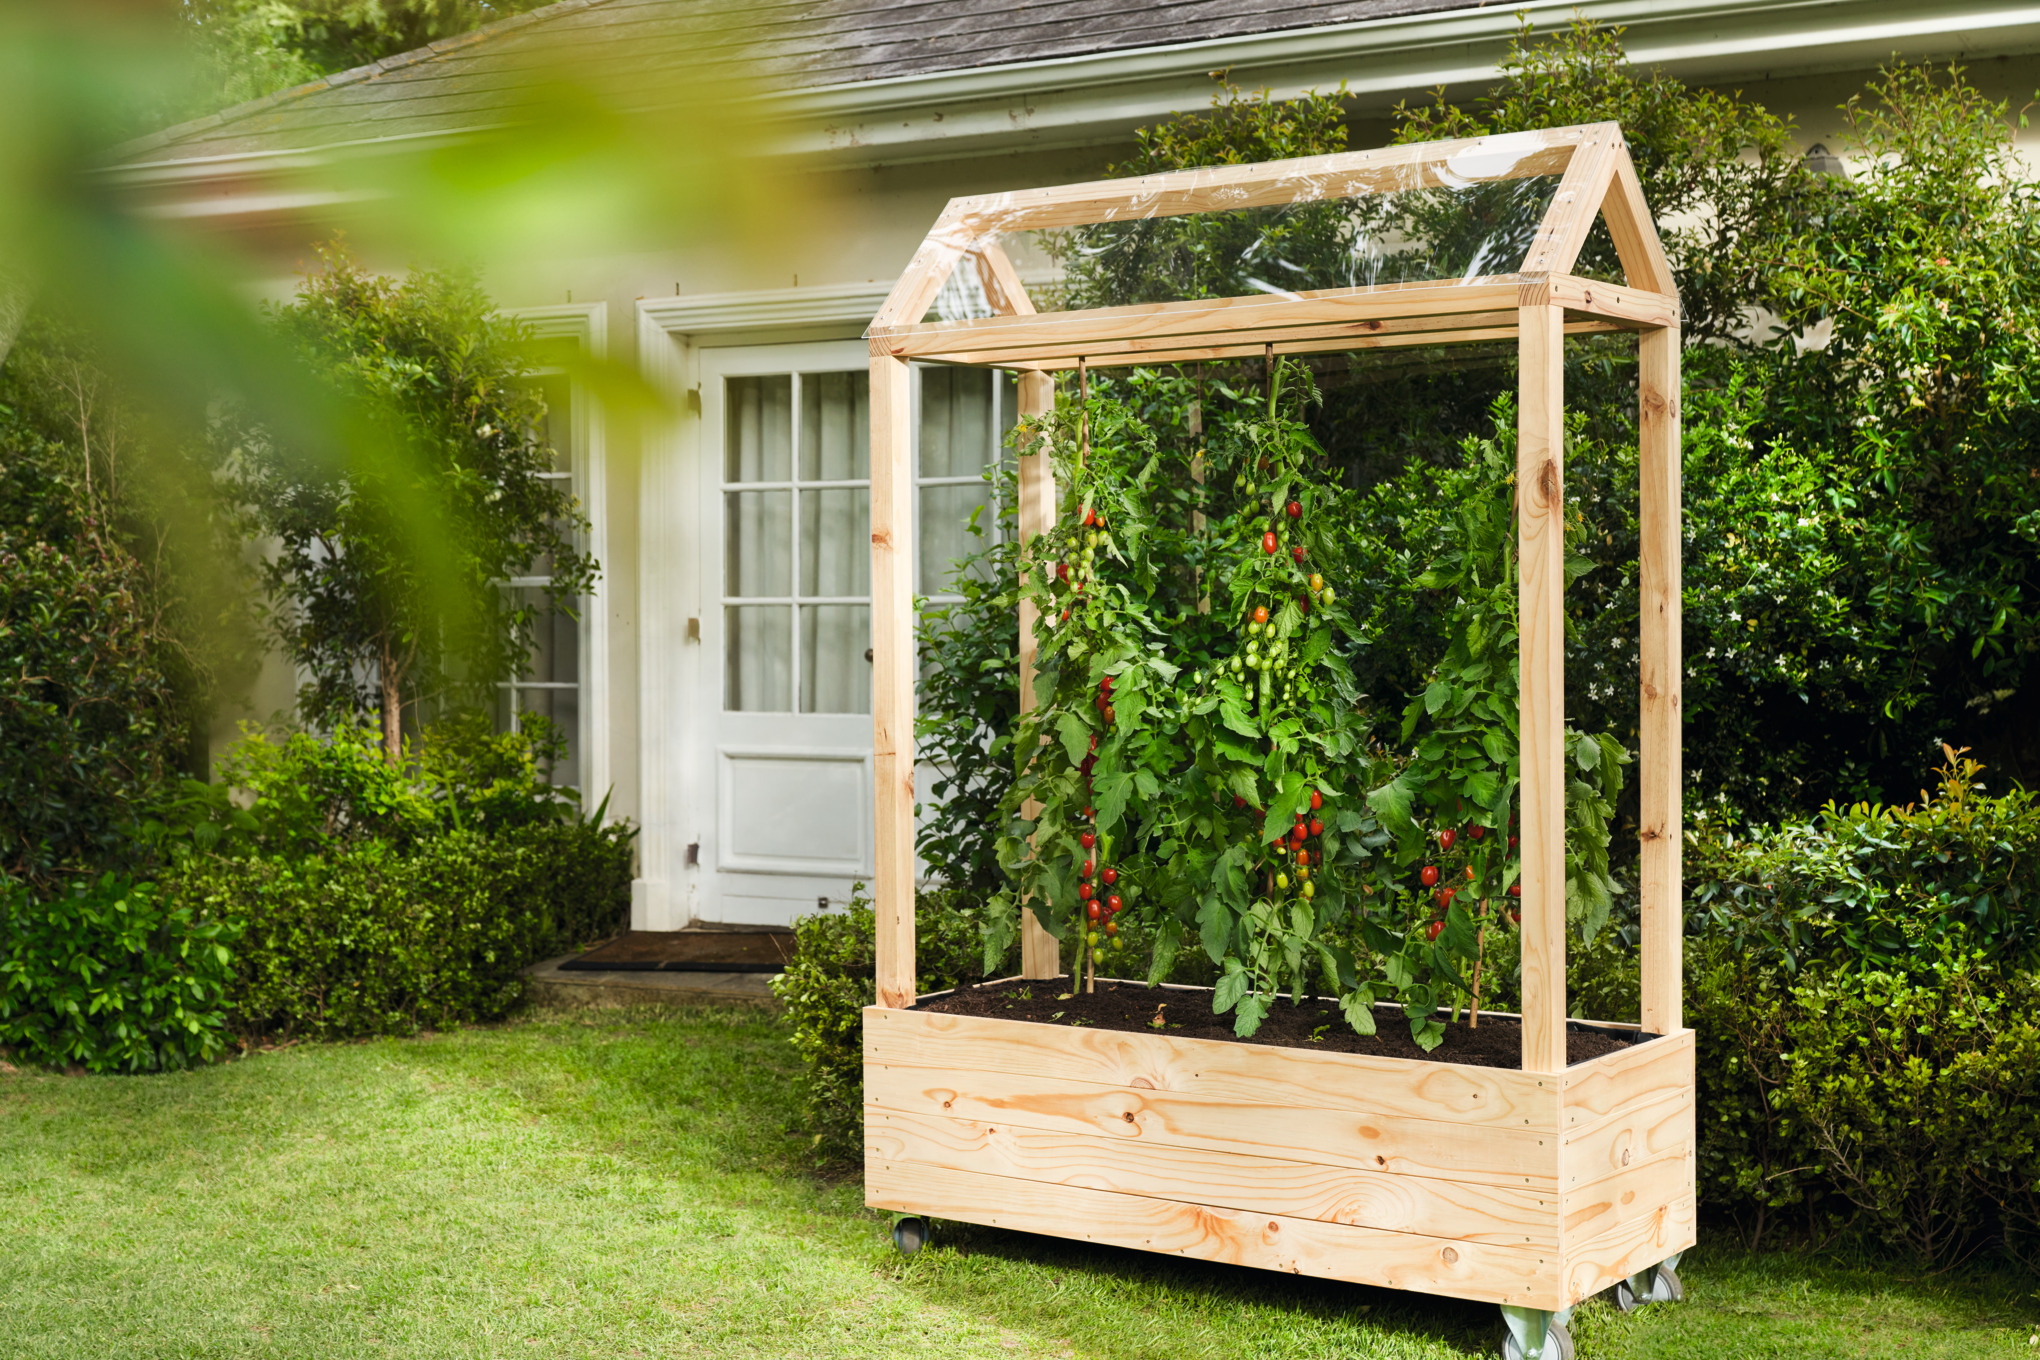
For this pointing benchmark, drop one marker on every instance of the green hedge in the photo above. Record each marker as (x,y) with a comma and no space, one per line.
(834,976)
(112,976)
(368,940)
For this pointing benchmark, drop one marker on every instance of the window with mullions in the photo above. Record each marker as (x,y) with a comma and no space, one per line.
(550,687)
(797,524)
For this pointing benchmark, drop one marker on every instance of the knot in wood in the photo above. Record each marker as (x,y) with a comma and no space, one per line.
(1625,1156)
(1547,481)
(881,538)
(1449,1256)
(1128,1116)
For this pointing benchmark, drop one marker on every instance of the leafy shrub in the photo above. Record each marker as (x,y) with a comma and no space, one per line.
(373,940)
(114,976)
(1880,886)
(833,977)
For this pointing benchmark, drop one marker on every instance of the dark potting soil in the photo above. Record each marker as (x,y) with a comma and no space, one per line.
(1186,1013)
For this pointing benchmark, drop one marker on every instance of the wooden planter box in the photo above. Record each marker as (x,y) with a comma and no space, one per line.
(1532,1189)
(1518,1188)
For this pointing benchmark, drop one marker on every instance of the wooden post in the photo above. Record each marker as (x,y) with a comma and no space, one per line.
(892,673)
(1040,954)
(1540,538)
(1659,646)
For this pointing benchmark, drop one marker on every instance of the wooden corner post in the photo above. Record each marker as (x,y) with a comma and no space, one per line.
(1540,541)
(1659,643)
(892,673)
(1040,954)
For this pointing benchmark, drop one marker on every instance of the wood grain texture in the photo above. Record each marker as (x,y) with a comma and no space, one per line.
(1655,1127)
(1481,1271)
(1660,769)
(892,677)
(1248,1074)
(1634,231)
(1594,1090)
(1386,1144)
(1250,1181)
(1225,188)
(1540,539)
(1628,1248)
(1575,203)
(1636,1191)
(1614,301)
(1040,954)
(1339,339)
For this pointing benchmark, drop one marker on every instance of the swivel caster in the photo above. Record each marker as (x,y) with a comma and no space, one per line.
(910,1234)
(1536,1335)
(1659,1284)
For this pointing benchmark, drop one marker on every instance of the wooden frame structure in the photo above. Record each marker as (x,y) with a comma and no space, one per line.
(1533,1189)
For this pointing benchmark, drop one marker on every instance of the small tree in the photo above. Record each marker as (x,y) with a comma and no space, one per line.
(386,578)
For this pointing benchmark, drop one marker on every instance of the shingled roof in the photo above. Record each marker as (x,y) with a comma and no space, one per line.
(643,46)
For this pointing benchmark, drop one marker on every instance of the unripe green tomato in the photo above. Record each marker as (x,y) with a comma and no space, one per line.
(1329,596)
(1282,880)
(1092,937)
(1118,942)
(1253,630)
(1309,891)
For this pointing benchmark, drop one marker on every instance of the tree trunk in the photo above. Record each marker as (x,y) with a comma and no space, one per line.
(392,708)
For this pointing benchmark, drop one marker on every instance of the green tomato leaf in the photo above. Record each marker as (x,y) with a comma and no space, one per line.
(1076,737)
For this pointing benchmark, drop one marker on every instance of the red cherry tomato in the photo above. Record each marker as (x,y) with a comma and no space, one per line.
(1431,932)
(1317,800)
(1268,543)
(1476,831)
(1083,892)
(1111,875)
(1317,828)
(1106,684)
(1113,903)
(1260,613)
(1303,857)
(1445,898)
(1297,834)
(1062,572)
(1112,927)
(1238,801)
(1303,604)
(1088,815)
(1092,911)
(1296,554)
(1094,741)
(1066,616)
(1429,876)
(1517,917)
(1512,842)
(1295,510)
(1109,716)
(1089,865)
(1447,837)
(1469,873)
(1515,890)
(1088,839)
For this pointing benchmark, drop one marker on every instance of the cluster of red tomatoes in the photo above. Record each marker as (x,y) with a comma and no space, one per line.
(1442,898)
(1100,905)
(1299,852)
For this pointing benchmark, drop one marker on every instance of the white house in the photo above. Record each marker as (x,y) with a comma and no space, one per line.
(717,685)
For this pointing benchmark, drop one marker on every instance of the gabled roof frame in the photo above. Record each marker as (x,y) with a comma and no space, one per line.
(1597,178)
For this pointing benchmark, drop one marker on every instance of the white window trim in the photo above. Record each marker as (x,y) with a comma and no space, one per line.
(587,324)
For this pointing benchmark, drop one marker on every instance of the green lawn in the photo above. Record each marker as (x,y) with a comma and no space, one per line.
(620,1185)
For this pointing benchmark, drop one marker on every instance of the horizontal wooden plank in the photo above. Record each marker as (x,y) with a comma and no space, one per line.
(1245,1074)
(1480,1271)
(1596,1090)
(1614,300)
(1453,1210)
(1097,329)
(1247,346)
(1662,1125)
(1481,1154)
(1643,1188)
(1220,188)
(1628,1248)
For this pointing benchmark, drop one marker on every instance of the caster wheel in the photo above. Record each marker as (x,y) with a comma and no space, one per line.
(910,1235)
(1659,1284)
(1625,1297)
(1666,1287)
(1558,1345)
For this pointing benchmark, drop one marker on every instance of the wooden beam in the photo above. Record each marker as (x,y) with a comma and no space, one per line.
(1659,646)
(1614,301)
(1575,203)
(1347,174)
(892,675)
(1337,342)
(945,245)
(1540,537)
(1635,233)
(1040,953)
(1001,280)
(1096,330)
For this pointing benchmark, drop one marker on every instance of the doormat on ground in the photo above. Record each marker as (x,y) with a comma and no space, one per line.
(754,950)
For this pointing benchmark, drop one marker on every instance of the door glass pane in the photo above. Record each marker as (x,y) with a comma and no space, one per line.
(945,530)
(757,543)
(1009,415)
(956,421)
(834,676)
(561,707)
(835,542)
(835,427)
(758,441)
(758,651)
(556,640)
(558,427)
